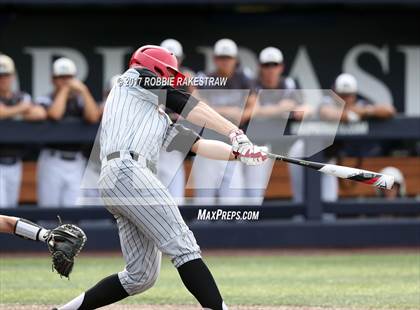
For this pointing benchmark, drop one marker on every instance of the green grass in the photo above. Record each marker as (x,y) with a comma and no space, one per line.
(352,281)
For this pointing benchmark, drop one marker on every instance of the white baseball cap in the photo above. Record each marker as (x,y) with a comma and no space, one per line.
(345,84)
(395,172)
(271,55)
(225,47)
(7,66)
(398,177)
(173,46)
(64,66)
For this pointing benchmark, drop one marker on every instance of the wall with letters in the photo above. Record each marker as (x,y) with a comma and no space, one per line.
(380,47)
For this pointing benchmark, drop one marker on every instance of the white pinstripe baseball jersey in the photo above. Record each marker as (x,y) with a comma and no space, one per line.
(132,120)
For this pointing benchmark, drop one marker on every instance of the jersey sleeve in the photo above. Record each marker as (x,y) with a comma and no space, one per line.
(180,101)
(179,138)
(177,100)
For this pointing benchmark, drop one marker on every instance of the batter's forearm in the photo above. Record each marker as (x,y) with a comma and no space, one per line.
(205,116)
(213,149)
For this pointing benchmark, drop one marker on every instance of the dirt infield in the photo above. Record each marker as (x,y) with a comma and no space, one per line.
(254,252)
(174,307)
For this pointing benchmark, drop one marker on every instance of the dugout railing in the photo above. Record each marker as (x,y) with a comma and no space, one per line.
(264,131)
(313,223)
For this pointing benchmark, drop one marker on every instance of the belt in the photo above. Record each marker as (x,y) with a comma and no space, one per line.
(135,156)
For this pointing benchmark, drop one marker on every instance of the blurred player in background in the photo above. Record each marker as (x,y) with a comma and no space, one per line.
(106,91)
(214,178)
(272,102)
(355,110)
(14,105)
(61,166)
(176,48)
(171,164)
(398,190)
(277,97)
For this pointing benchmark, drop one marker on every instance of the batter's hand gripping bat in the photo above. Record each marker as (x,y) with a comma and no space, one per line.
(364,176)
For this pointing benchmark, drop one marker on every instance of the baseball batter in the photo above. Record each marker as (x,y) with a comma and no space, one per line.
(134,129)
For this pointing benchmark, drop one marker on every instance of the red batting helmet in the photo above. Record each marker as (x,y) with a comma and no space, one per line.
(157,59)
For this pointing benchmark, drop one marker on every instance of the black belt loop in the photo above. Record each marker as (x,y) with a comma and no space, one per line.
(115,155)
(134,155)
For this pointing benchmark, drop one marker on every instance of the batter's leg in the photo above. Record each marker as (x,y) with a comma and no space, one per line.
(177,240)
(148,203)
(146,225)
(105,292)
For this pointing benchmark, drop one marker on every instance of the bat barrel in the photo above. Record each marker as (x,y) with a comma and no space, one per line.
(368,177)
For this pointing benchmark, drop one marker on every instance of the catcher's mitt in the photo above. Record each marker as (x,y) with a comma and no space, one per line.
(65,242)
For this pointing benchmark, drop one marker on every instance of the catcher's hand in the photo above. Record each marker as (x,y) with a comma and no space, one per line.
(65,242)
(243,148)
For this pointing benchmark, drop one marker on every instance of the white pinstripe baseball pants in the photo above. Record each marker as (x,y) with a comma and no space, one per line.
(149,222)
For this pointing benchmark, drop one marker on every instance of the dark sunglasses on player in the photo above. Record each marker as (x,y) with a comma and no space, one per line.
(224,57)
(270,64)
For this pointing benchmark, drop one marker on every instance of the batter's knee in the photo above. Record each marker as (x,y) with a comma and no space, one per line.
(182,248)
(136,283)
